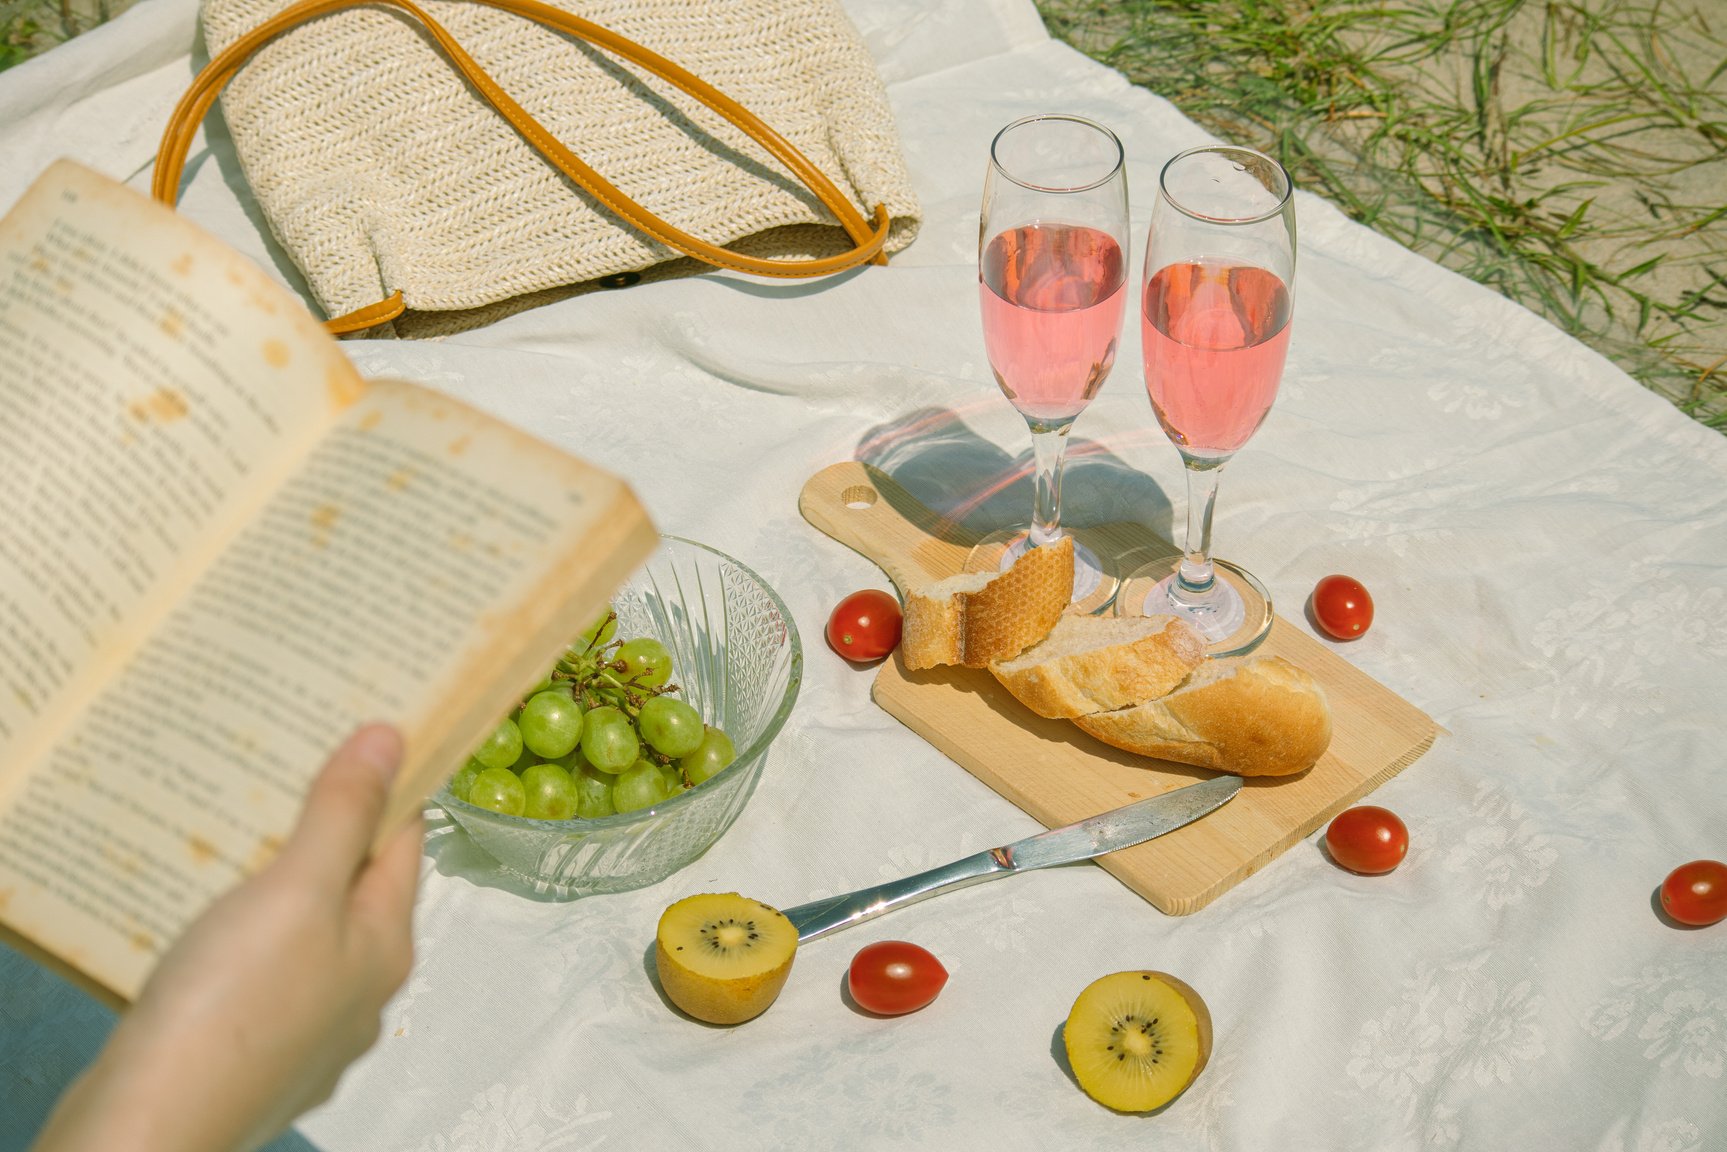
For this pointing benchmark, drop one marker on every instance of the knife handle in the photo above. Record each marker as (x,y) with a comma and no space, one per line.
(821,917)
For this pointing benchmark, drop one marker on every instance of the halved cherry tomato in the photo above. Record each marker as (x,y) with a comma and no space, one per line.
(865,625)
(1696,893)
(892,977)
(1367,839)
(1342,607)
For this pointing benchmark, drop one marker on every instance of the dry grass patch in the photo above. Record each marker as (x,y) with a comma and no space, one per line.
(1571,155)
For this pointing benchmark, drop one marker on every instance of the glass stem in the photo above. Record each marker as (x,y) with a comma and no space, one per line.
(1196,578)
(1049,448)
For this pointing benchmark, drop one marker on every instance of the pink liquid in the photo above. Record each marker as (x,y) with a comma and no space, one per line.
(1215,337)
(1052,298)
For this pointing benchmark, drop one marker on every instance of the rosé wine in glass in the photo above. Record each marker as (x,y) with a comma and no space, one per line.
(1052,297)
(1214,325)
(1052,290)
(1215,338)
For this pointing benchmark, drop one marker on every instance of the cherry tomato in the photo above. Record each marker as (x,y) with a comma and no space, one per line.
(1342,607)
(1367,839)
(892,977)
(1696,893)
(865,625)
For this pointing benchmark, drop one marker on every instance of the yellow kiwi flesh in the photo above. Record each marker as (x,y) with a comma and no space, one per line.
(1136,1040)
(723,958)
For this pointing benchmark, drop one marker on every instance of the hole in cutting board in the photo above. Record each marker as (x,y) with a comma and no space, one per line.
(858,496)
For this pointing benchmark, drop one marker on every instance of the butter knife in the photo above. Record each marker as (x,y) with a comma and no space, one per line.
(1107,832)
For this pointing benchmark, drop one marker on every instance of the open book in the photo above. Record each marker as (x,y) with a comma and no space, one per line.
(221,551)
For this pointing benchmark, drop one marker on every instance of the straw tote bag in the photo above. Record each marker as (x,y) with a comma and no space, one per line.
(434,165)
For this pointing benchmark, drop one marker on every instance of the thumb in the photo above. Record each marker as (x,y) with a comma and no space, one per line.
(343,807)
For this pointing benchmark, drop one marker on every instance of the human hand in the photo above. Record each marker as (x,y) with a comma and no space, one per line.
(254,1013)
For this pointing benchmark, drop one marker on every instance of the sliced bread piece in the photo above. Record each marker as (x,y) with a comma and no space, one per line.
(978,617)
(1261,716)
(1100,663)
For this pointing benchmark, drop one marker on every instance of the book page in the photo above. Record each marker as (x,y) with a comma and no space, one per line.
(152,382)
(423,566)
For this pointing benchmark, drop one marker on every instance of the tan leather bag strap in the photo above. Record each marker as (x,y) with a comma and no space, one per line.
(195,105)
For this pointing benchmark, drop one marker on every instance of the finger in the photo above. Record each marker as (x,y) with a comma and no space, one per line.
(382,923)
(343,806)
(383,898)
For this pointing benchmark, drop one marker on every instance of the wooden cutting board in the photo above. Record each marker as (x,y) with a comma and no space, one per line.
(1057,773)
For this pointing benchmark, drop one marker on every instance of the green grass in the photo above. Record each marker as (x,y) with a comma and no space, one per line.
(1571,155)
(31,27)
(21,32)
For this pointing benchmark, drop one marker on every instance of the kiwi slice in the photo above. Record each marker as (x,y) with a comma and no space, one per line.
(1135,1040)
(722,957)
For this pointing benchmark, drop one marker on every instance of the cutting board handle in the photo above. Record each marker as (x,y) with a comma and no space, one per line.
(868,511)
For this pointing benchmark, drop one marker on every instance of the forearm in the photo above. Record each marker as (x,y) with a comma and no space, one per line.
(111,1107)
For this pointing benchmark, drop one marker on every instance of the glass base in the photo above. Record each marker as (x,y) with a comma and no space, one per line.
(1235,617)
(1095,581)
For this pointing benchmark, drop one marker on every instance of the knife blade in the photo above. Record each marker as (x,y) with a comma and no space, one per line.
(1106,832)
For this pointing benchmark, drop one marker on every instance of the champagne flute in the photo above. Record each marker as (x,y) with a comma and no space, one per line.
(1052,286)
(1219,283)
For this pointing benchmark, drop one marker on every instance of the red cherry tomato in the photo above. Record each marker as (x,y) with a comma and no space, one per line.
(1342,607)
(892,977)
(1367,839)
(865,625)
(1696,893)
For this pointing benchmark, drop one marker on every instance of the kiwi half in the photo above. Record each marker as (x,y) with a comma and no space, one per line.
(722,957)
(1136,1040)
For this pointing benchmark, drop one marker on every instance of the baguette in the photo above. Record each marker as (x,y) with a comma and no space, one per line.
(975,618)
(1258,717)
(1098,664)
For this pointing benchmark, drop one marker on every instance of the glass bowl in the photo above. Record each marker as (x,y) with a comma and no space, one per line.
(737,657)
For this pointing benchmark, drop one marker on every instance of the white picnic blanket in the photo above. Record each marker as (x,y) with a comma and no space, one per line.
(1546,543)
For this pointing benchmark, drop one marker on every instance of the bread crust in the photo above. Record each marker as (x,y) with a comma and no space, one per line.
(972,620)
(1093,664)
(1257,717)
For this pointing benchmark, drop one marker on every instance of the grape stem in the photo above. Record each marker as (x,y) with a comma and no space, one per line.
(594,678)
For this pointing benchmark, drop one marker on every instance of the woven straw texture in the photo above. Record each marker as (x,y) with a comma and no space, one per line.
(379,169)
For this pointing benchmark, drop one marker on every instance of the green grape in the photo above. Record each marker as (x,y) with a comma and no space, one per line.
(713,754)
(609,740)
(499,790)
(502,746)
(551,725)
(551,793)
(464,778)
(593,794)
(670,726)
(549,683)
(674,778)
(641,787)
(647,661)
(598,634)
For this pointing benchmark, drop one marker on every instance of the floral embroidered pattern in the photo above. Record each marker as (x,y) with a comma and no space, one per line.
(522,1120)
(1690,1027)
(1456,1025)
(1676,1012)
(1603,646)
(1668,1136)
(1503,854)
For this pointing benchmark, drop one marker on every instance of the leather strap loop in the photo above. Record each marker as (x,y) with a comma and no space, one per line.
(868,237)
(370,316)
